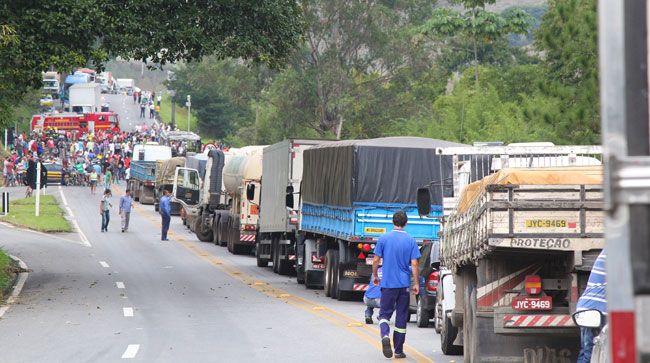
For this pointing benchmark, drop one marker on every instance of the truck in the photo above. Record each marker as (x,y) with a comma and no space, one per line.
(142,179)
(279,207)
(208,216)
(52,84)
(106,82)
(526,229)
(125,84)
(349,193)
(165,172)
(198,162)
(242,176)
(85,98)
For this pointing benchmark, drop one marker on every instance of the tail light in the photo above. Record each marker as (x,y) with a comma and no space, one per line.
(432,281)
(316,259)
(533,285)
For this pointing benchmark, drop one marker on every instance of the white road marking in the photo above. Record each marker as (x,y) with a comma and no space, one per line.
(22,277)
(104,264)
(120,284)
(128,312)
(65,202)
(69,211)
(131,351)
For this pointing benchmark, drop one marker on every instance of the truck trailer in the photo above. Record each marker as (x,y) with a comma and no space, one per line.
(165,172)
(350,191)
(279,205)
(142,179)
(85,97)
(526,230)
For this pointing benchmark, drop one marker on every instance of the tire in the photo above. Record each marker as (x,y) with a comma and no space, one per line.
(261,262)
(448,334)
(284,267)
(328,272)
(201,234)
(470,336)
(421,315)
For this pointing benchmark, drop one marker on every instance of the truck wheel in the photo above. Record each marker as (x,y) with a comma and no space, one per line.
(470,338)
(421,315)
(448,334)
(261,262)
(329,257)
(215,230)
(437,318)
(201,233)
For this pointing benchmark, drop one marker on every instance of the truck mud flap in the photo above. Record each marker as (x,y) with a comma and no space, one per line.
(526,348)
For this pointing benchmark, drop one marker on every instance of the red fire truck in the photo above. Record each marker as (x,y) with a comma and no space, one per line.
(78,122)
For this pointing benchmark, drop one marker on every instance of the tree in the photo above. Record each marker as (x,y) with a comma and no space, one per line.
(479,26)
(568,36)
(70,33)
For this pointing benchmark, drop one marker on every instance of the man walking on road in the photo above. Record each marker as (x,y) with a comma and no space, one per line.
(165,212)
(125,209)
(398,250)
(105,209)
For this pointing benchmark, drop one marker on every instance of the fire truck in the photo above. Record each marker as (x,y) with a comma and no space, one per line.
(106,121)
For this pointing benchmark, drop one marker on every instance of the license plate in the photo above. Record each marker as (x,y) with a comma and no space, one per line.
(532,303)
(319,266)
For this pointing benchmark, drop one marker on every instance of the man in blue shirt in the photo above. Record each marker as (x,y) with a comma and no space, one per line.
(372,297)
(125,209)
(399,252)
(593,298)
(165,212)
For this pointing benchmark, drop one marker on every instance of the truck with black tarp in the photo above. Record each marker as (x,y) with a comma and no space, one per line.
(349,192)
(279,205)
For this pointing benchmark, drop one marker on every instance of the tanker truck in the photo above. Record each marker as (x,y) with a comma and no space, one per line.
(242,176)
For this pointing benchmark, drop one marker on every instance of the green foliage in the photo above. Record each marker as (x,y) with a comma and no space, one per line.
(6,276)
(37,35)
(568,36)
(51,218)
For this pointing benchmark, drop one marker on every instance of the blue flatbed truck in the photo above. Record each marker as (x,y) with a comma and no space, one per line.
(349,192)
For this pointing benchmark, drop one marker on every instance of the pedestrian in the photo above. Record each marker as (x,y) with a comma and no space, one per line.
(593,298)
(165,212)
(372,297)
(125,209)
(398,250)
(93,181)
(105,209)
(142,107)
(108,178)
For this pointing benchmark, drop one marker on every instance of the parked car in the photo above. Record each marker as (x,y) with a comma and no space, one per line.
(54,171)
(47,101)
(445,302)
(424,304)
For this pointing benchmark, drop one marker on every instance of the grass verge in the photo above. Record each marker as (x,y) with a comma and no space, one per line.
(51,219)
(6,274)
(181,115)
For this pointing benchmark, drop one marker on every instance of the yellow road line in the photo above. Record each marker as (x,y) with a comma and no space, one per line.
(361,330)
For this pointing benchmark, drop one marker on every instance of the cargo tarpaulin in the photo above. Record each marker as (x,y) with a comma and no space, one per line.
(385,170)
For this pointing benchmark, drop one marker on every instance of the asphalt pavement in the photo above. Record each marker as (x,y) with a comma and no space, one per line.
(105,297)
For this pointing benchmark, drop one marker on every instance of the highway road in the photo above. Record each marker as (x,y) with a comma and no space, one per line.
(107,297)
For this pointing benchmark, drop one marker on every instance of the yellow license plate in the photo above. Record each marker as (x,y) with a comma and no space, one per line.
(546,223)
(374,230)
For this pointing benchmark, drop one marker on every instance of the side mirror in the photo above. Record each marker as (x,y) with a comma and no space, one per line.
(424,201)
(250,192)
(289,198)
(591,318)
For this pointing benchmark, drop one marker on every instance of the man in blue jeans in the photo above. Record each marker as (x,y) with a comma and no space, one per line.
(372,298)
(399,252)
(165,212)
(593,298)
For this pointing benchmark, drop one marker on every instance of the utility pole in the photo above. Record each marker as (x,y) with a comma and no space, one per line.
(6,134)
(189,106)
(38,187)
